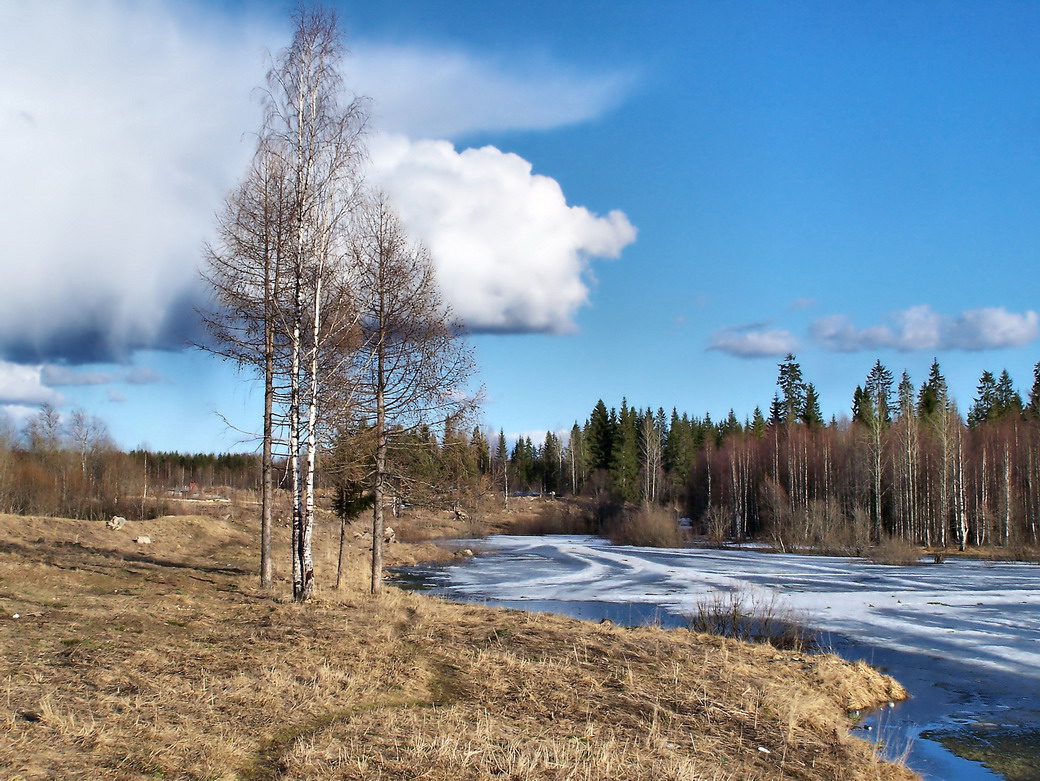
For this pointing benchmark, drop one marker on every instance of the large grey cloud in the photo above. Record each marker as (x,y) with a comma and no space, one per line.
(124,123)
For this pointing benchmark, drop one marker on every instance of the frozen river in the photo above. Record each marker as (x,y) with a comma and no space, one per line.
(963,636)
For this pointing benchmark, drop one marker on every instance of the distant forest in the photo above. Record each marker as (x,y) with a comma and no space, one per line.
(904,463)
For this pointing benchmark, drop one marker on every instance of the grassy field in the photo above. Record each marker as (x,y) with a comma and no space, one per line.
(164,660)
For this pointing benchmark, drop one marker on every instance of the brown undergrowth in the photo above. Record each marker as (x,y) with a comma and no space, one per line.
(164,660)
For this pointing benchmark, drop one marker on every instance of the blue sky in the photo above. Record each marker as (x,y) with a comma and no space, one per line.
(848,181)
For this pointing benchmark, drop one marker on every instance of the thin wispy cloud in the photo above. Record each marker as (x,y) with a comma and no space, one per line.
(921,328)
(142,375)
(425,92)
(59,376)
(756,340)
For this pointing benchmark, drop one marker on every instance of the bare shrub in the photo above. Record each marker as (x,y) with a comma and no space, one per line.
(776,513)
(1019,552)
(716,525)
(649,527)
(895,552)
(555,518)
(762,619)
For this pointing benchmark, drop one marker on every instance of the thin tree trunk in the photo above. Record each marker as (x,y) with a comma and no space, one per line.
(267,456)
(377,512)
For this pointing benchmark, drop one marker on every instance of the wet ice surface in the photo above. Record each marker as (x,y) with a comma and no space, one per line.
(961,636)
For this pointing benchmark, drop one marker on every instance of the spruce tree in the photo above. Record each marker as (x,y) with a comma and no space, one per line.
(792,388)
(906,396)
(985,405)
(860,405)
(811,415)
(934,396)
(599,438)
(624,467)
(552,460)
(879,388)
(1009,402)
(758,424)
(1033,409)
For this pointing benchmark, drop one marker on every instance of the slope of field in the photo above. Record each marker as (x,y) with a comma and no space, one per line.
(164,660)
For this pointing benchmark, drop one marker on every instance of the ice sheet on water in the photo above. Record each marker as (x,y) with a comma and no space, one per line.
(985,614)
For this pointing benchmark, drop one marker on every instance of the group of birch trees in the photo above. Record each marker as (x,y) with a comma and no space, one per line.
(318,288)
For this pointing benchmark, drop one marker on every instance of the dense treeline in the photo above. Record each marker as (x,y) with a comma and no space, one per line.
(906,463)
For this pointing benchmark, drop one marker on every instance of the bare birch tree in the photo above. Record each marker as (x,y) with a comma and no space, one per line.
(277,267)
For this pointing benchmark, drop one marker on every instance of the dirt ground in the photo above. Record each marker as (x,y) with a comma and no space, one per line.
(128,660)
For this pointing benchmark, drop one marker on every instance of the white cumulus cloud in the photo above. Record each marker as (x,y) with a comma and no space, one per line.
(511,254)
(921,328)
(754,341)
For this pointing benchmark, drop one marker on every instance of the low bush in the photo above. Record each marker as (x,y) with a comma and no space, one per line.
(894,552)
(555,518)
(761,619)
(648,527)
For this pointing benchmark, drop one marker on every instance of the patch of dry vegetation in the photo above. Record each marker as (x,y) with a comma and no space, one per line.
(647,527)
(131,661)
(895,552)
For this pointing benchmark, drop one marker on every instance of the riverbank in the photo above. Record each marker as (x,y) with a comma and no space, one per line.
(962,636)
(163,659)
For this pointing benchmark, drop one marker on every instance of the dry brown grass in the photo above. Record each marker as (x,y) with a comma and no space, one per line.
(560,516)
(895,552)
(651,527)
(165,661)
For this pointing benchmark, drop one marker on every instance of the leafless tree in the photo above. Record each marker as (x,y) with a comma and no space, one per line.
(245,268)
(277,268)
(412,366)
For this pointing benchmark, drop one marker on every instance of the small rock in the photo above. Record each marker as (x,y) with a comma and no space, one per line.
(389,535)
(142,540)
(16,615)
(117,523)
(764,750)
(463,553)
